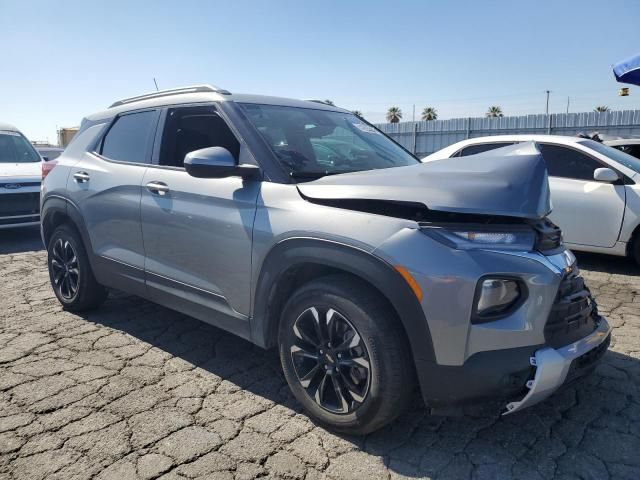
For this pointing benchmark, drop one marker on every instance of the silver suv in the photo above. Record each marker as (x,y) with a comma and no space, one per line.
(298,225)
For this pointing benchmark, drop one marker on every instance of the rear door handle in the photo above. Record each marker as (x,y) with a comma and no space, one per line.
(81,177)
(159,188)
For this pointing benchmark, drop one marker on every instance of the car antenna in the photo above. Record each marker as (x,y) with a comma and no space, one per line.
(156,84)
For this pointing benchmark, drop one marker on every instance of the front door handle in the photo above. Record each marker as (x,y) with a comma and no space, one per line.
(81,177)
(159,188)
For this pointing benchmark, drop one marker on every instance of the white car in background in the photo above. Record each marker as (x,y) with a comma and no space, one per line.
(595,189)
(20,179)
(626,145)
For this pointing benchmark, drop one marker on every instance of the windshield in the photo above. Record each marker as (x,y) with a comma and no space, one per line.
(312,143)
(14,148)
(622,158)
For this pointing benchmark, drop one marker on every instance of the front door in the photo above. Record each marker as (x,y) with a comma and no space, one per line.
(198,232)
(589,213)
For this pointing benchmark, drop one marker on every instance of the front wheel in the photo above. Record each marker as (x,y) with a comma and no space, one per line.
(70,272)
(344,355)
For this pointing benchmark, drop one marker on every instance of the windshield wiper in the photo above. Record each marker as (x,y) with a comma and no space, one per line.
(311,175)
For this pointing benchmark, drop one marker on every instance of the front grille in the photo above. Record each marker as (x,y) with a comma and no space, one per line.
(574,313)
(548,236)
(13,204)
(14,185)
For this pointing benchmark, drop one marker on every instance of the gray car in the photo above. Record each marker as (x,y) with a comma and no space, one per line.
(299,226)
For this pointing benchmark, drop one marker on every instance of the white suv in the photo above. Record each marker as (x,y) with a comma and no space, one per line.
(595,189)
(20,179)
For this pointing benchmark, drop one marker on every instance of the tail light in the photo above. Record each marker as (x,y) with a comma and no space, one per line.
(47,167)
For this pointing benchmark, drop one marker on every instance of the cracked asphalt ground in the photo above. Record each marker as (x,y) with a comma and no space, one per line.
(138,391)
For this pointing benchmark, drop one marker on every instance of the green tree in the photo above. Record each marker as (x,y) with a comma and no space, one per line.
(495,111)
(394,115)
(601,109)
(429,113)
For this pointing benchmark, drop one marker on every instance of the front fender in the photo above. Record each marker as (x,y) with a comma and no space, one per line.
(293,252)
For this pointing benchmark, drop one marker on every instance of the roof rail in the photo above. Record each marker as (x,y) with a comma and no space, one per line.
(172,91)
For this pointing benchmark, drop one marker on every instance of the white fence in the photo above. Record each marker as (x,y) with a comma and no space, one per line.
(426,137)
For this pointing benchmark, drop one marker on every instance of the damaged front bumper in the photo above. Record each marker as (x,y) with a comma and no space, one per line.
(553,367)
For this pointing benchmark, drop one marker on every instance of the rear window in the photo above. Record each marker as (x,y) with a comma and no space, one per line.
(480,148)
(129,136)
(14,148)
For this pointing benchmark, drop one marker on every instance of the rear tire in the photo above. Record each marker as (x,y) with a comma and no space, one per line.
(363,382)
(634,250)
(70,272)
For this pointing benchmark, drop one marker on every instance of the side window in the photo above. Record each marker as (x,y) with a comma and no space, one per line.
(128,137)
(633,150)
(568,163)
(481,147)
(192,128)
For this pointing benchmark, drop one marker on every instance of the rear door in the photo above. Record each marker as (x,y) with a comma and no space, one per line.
(588,212)
(105,184)
(198,231)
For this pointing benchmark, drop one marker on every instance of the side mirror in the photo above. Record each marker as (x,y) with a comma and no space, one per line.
(605,175)
(46,159)
(216,162)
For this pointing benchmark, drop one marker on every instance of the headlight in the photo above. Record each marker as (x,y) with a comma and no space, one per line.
(496,297)
(463,237)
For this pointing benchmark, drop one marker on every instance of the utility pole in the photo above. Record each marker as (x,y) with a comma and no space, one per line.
(547,109)
(413,117)
(156,84)
(568,101)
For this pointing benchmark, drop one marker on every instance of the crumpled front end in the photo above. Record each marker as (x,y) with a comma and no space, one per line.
(519,355)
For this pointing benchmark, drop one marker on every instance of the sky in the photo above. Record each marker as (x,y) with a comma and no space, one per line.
(63,60)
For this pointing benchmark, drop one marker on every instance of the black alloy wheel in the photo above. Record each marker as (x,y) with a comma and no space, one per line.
(330,360)
(65,269)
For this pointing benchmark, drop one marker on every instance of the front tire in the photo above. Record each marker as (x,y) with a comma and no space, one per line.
(70,272)
(344,355)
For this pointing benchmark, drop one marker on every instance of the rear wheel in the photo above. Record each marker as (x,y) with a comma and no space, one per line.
(70,273)
(344,355)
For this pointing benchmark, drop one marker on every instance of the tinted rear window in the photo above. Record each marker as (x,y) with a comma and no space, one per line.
(128,138)
(481,147)
(14,148)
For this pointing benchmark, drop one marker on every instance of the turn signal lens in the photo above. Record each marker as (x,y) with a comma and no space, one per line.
(415,286)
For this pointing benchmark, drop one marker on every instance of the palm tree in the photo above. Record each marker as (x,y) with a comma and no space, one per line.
(357,113)
(601,109)
(429,113)
(329,102)
(394,115)
(494,111)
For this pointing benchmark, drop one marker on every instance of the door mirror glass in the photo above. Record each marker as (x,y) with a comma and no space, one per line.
(210,162)
(605,175)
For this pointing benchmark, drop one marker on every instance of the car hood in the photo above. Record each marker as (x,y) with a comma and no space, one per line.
(510,181)
(26,169)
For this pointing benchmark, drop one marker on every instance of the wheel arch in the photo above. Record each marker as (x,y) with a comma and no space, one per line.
(293,262)
(58,210)
(634,242)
